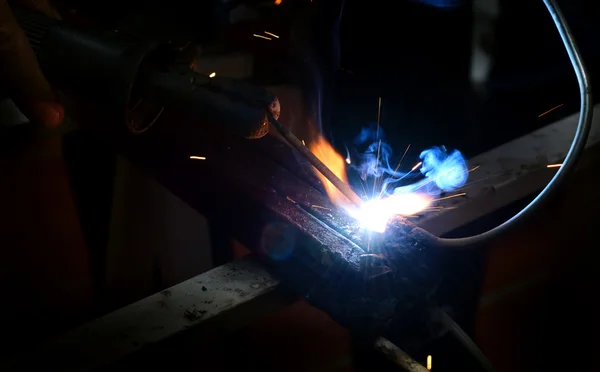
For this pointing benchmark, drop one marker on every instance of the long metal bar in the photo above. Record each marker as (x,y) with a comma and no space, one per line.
(397,356)
(191,303)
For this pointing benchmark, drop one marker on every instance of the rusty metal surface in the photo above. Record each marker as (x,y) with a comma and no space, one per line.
(155,318)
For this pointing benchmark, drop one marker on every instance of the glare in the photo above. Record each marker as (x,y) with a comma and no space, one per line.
(375,214)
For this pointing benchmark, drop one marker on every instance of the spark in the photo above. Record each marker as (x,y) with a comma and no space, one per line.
(262,37)
(272,34)
(402,158)
(474,168)
(212,75)
(348,160)
(379,144)
(452,196)
(277,2)
(290,199)
(320,207)
(429,362)
(554,165)
(197,157)
(552,109)
(304,143)
(416,166)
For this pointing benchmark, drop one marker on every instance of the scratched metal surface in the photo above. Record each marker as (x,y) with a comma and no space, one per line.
(154,318)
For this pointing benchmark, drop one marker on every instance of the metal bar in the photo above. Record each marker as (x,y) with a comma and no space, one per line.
(397,356)
(155,318)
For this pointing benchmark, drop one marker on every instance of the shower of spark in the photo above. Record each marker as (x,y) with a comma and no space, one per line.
(393,192)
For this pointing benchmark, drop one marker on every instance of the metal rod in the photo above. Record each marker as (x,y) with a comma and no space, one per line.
(397,356)
(216,295)
(343,187)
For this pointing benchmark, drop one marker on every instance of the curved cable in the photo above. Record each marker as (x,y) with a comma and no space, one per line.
(575,151)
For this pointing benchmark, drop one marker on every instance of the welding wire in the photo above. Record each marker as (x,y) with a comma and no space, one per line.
(343,187)
(575,151)
(397,356)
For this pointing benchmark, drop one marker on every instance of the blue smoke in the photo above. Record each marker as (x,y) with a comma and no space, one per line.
(374,161)
(447,170)
(442,170)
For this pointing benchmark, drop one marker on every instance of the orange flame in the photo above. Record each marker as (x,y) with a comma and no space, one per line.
(334,161)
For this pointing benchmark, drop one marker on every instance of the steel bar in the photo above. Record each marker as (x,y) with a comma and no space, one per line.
(397,356)
(177,309)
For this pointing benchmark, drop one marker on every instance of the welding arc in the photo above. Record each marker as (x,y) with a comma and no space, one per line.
(343,187)
(575,151)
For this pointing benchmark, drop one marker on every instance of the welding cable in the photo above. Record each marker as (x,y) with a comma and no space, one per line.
(397,356)
(575,151)
(463,338)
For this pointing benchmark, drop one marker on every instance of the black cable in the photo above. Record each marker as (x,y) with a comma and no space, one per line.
(575,151)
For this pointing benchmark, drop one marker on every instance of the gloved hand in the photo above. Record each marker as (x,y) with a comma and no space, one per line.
(20,74)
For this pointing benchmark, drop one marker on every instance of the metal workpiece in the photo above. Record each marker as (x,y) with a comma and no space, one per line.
(367,283)
(397,356)
(174,310)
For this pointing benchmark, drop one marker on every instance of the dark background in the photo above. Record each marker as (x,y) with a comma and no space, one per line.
(416,57)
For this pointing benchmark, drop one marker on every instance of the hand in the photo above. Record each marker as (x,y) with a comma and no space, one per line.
(20,73)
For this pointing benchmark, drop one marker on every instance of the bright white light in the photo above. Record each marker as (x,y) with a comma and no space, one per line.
(375,214)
